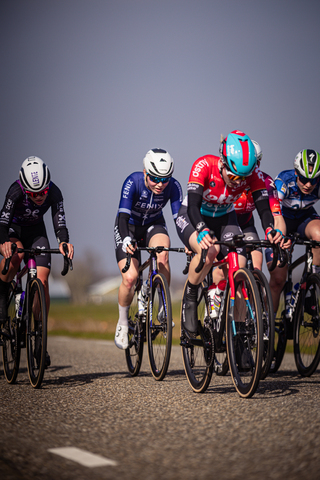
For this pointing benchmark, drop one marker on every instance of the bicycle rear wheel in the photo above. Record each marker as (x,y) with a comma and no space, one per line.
(280,334)
(197,353)
(307,328)
(136,333)
(244,329)
(159,327)
(11,345)
(36,332)
(267,319)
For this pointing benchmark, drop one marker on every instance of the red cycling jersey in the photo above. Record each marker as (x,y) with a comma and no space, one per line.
(218,198)
(245,203)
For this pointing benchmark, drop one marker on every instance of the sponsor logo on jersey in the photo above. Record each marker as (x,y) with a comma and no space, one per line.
(182,223)
(126,188)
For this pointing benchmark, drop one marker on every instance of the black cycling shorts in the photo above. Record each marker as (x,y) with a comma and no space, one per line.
(142,235)
(224,228)
(33,236)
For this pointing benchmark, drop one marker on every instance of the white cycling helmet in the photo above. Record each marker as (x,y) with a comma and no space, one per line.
(258,150)
(158,163)
(304,159)
(34,174)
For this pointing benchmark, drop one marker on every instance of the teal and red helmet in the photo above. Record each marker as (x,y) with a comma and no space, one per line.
(238,153)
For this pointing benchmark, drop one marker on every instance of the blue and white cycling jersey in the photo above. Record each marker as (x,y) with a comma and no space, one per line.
(143,206)
(294,203)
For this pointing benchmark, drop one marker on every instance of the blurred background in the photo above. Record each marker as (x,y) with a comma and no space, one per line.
(91,85)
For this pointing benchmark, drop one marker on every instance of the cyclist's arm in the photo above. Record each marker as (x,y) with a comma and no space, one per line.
(58,215)
(261,202)
(175,198)
(194,205)
(14,195)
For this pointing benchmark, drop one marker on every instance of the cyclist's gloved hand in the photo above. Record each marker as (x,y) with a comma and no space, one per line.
(273,235)
(127,246)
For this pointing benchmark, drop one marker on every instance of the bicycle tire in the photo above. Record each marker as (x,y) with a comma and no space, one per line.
(134,352)
(11,345)
(195,365)
(221,364)
(307,328)
(267,319)
(244,330)
(280,334)
(36,332)
(159,327)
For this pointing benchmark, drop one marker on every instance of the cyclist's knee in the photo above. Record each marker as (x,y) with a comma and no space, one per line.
(129,280)
(212,254)
(278,278)
(163,259)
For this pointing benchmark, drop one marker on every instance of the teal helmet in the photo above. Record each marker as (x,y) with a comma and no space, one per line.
(238,153)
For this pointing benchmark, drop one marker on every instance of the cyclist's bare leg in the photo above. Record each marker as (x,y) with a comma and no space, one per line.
(193,277)
(257,259)
(125,296)
(5,250)
(163,257)
(312,231)
(126,289)
(14,264)
(43,275)
(277,280)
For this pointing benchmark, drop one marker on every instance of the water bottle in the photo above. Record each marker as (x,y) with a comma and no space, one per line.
(290,299)
(142,297)
(294,293)
(211,293)
(217,298)
(19,303)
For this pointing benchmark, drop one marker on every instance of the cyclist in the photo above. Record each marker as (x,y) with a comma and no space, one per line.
(298,190)
(245,206)
(140,216)
(215,183)
(21,222)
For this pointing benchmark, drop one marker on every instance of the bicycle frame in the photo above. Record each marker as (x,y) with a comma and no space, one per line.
(306,258)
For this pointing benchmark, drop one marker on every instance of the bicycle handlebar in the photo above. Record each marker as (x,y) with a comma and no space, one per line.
(67,262)
(238,241)
(158,249)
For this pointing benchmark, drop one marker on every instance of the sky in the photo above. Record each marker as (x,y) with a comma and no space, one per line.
(90,86)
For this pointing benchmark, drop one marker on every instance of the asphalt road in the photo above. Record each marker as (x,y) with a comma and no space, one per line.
(145,429)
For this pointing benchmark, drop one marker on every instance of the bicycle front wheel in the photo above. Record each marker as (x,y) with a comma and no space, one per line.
(267,319)
(36,332)
(159,327)
(307,328)
(244,329)
(197,353)
(134,352)
(11,345)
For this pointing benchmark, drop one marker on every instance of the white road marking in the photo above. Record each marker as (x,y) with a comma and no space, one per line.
(86,459)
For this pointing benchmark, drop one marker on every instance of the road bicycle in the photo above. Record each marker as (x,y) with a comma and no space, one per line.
(221,366)
(238,329)
(298,314)
(150,316)
(26,323)
(266,301)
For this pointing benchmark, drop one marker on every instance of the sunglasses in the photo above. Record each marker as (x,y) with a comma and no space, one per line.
(233,177)
(305,180)
(158,179)
(38,194)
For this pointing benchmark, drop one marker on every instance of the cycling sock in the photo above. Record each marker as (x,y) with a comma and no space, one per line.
(123,315)
(191,292)
(315,269)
